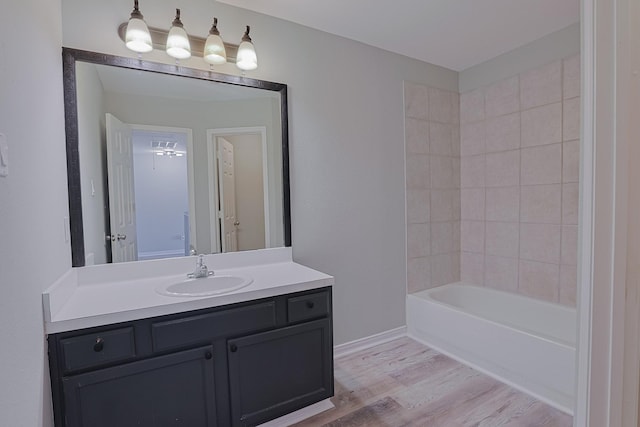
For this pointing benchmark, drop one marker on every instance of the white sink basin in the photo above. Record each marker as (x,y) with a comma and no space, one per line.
(211,285)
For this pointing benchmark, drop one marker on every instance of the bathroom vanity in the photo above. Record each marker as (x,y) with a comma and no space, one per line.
(236,359)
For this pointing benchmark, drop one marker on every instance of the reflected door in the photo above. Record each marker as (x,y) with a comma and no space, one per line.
(226,177)
(121,191)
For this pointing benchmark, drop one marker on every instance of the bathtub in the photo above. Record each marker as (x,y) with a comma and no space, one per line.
(526,343)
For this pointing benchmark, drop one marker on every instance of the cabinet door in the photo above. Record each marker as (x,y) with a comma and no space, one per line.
(172,390)
(277,372)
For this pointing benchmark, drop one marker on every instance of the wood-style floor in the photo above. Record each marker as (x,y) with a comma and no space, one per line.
(404,383)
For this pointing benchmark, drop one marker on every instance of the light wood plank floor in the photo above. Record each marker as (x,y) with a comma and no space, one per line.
(404,383)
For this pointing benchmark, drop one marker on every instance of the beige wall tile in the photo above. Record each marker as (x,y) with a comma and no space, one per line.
(441,237)
(418,171)
(571,84)
(571,119)
(501,273)
(472,171)
(455,163)
(539,280)
(416,136)
(502,239)
(503,133)
(455,260)
(455,141)
(442,202)
(417,206)
(440,139)
(418,241)
(472,204)
(503,204)
(472,106)
(541,203)
(541,165)
(441,172)
(542,125)
(456,204)
(416,102)
(503,169)
(440,106)
(472,137)
(568,285)
(456,236)
(472,236)
(472,268)
(540,242)
(418,274)
(569,253)
(455,100)
(570,161)
(442,269)
(503,97)
(570,195)
(541,86)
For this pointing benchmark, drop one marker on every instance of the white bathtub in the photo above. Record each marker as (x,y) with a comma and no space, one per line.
(526,343)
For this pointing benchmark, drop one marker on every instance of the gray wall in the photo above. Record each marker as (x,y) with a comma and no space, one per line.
(552,47)
(33,203)
(346,135)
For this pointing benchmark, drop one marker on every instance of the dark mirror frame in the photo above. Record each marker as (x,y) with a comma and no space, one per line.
(69,59)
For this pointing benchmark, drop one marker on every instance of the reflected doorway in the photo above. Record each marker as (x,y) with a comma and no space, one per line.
(163,192)
(238,189)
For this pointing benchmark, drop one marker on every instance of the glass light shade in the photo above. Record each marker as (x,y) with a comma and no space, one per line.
(246,59)
(214,51)
(137,37)
(178,43)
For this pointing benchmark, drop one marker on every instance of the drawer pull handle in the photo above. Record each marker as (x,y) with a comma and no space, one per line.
(99,345)
(208,355)
(233,348)
(310,304)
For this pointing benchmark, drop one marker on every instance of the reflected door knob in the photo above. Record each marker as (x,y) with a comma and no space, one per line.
(237,223)
(122,237)
(113,238)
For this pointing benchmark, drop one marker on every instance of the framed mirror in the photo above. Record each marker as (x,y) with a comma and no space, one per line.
(166,161)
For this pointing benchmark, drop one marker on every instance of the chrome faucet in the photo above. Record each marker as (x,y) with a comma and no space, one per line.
(201,270)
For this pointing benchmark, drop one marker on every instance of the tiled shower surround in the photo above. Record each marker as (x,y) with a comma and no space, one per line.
(518,180)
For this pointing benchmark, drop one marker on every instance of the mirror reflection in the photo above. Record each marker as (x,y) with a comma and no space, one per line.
(173,166)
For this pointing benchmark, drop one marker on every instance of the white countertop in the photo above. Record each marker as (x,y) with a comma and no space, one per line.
(106,294)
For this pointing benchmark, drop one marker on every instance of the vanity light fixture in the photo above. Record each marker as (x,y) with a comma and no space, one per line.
(178,45)
(246,59)
(137,37)
(214,51)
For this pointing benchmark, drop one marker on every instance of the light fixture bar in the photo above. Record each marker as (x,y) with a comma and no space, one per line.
(159,38)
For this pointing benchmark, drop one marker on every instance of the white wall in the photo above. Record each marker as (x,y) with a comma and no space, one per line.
(346,143)
(33,203)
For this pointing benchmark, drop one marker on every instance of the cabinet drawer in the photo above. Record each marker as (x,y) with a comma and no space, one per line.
(98,348)
(206,327)
(308,306)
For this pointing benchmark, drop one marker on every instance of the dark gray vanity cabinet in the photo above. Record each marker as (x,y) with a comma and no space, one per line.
(237,365)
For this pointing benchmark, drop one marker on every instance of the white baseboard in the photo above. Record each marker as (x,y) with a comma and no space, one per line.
(368,342)
(300,414)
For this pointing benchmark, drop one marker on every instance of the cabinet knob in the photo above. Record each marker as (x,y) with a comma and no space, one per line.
(208,355)
(310,304)
(233,348)
(99,345)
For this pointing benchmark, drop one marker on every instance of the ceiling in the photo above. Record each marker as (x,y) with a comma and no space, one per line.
(456,34)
